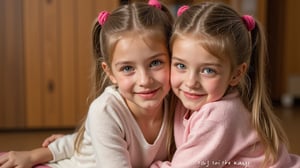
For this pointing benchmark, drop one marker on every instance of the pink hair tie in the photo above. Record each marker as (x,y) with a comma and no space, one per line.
(102,17)
(182,9)
(249,21)
(154,3)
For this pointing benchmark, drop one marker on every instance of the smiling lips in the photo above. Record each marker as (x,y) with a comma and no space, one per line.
(148,94)
(192,95)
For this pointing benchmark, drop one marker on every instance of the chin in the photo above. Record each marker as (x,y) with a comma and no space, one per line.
(192,107)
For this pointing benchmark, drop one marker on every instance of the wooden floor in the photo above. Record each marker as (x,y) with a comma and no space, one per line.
(25,140)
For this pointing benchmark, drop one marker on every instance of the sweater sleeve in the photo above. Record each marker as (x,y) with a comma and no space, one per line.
(107,136)
(63,147)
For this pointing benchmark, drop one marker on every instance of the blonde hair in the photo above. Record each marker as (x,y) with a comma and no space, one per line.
(136,17)
(224,34)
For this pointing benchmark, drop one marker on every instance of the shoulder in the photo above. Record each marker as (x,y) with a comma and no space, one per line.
(108,112)
(109,104)
(228,115)
(109,98)
(230,107)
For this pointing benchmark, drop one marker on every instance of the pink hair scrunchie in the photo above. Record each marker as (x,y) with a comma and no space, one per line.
(249,21)
(154,3)
(102,17)
(182,9)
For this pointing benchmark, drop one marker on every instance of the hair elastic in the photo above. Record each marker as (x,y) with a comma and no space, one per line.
(249,21)
(102,17)
(154,3)
(182,9)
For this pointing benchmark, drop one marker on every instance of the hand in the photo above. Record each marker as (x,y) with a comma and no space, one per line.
(25,159)
(13,159)
(50,139)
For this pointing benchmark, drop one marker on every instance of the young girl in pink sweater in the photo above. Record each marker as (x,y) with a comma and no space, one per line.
(224,118)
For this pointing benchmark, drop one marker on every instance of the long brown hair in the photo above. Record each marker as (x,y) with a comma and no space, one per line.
(224,34)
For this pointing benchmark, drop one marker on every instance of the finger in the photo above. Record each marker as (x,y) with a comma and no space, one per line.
(7,164)
(3,158)
(48,140)
(45,143)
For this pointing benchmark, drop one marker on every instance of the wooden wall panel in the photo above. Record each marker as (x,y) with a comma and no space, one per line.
(45,61)
(262,12)
(67,26)
(32,20)
(2,58)
(85,18)
(284,52)
(275,37)
(51,88)
(105,5)
(292,50)
(292,38)
(11,63)
(58,59)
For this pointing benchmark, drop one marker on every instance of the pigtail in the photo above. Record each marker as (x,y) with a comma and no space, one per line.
(98,78)
(263,118)
(95,78)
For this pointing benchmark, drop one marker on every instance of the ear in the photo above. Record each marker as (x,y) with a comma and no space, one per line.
(238,74)
(108,72)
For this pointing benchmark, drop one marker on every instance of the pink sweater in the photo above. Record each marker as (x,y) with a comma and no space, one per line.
(220,135)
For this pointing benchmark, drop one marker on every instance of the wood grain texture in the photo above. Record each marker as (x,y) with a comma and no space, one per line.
(11,62)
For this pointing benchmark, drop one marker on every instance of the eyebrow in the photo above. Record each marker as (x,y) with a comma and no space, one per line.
(178,59)
(130,62)
(206,64)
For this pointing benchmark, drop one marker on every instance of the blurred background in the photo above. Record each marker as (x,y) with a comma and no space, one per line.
(45,60)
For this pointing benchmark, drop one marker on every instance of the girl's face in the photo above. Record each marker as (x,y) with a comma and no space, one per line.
(197,77)
(141,70)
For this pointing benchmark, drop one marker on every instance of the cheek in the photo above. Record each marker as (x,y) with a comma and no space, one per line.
(124,83)
(164,76)
(175,79)
(216,88)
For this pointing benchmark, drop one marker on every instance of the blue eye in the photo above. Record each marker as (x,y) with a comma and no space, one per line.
(127,69)
(208,71)
(155,63)
(180,66)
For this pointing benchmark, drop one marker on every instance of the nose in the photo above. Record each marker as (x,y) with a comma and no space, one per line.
(145,78)
(192,80)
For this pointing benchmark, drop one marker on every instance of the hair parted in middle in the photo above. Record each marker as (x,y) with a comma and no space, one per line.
(140,18)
